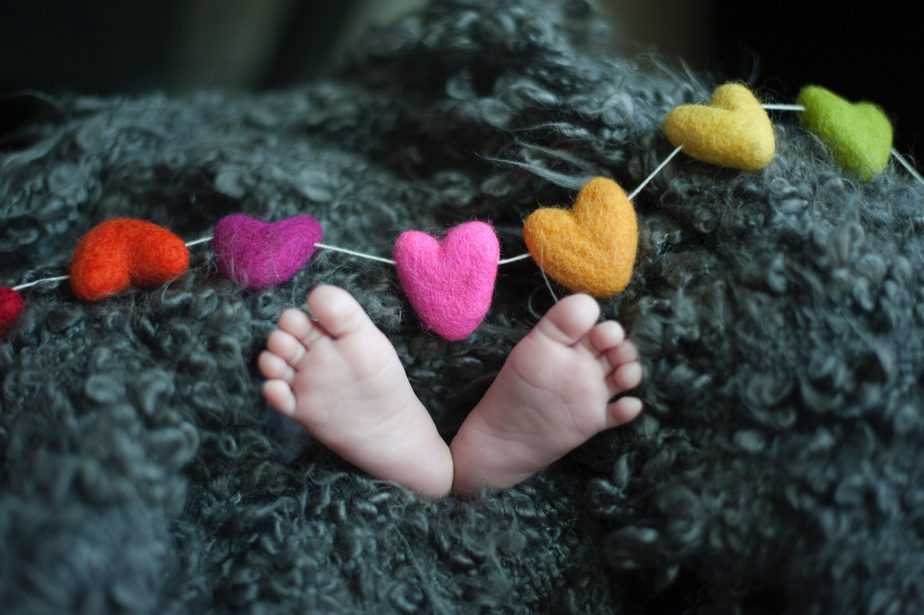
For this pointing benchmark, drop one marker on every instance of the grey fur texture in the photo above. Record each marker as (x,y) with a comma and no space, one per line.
(780,317)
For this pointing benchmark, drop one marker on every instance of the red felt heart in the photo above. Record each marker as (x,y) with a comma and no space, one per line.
(122,253)
(11,306)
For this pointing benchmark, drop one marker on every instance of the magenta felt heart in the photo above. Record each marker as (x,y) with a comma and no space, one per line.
(449,283)
(258,254)
(11,306)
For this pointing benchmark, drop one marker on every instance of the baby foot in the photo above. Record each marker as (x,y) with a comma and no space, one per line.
(552,394)
(342,380)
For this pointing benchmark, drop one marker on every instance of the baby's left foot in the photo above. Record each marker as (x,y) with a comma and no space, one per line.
(552,394)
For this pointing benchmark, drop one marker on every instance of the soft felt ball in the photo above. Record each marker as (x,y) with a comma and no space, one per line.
(449,283)
(732,131)
(858,134)
(11,306)
(591,247)
(258,254)
(125,252)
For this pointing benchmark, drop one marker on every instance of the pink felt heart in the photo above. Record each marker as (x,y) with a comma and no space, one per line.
(11,306)
(258,254)
(449,283)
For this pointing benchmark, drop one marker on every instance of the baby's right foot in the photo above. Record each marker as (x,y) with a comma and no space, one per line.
(342,380)
(552,394)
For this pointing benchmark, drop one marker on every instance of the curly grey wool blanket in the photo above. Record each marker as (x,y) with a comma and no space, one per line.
(780,317)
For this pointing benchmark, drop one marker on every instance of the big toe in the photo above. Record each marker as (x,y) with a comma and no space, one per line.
(336,310)
(569,319)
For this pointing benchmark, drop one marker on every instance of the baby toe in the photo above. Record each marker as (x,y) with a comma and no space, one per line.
(285,347)
(627,376)
(279,395)
(623,410)
(606,335)
(274,367)
(625,352)
(569,320)
(295,322)
(337,311)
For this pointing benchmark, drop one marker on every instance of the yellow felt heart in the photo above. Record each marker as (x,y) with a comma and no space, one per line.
(732,131)
(591,247)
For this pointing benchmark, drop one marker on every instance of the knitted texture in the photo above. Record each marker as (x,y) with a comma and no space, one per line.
(859,134)
(591,247)
(777,467)
(11,306)
(257,254)
(121,253)
(449,283)
(732,131)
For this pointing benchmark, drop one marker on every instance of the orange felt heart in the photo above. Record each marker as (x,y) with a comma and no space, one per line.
(590,247)
(122,253)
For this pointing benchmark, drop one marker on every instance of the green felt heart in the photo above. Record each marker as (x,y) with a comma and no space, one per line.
(859,134)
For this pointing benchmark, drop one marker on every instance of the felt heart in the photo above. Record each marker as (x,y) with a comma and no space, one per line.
(591,247)
(449,283)
(125,252)
(859,134)
(732,131)
(11,306)
(258,254)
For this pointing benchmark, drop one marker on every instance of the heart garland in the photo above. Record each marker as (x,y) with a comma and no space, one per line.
(449,283)
(590,247)
(258,254)
(858,134)
(11,306)
(733,130)
(121,253)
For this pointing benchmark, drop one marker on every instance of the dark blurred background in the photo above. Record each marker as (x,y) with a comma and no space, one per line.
(110,46)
